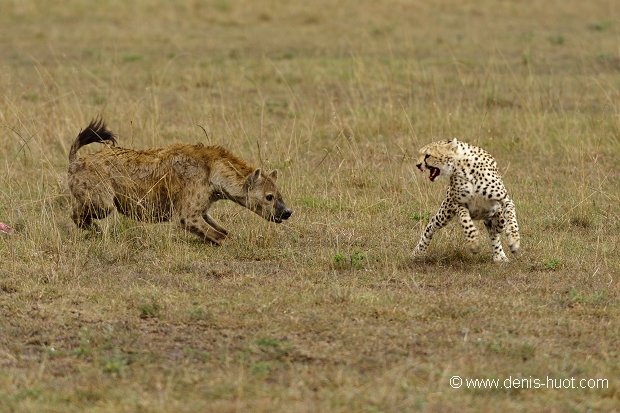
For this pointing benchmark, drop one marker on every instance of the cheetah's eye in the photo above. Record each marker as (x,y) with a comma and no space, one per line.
(269,197)
(426,156)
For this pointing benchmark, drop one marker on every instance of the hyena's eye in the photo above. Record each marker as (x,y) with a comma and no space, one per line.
(269,197)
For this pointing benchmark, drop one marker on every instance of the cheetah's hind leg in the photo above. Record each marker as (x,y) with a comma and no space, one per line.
(512,228)
(495,227)
(469,227)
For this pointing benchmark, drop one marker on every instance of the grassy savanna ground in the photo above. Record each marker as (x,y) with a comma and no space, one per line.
(325,312)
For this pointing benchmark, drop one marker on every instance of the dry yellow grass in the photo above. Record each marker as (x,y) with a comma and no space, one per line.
(325,312)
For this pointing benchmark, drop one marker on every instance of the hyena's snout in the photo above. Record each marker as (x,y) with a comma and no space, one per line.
(286,214)
(282,212)
(279,211)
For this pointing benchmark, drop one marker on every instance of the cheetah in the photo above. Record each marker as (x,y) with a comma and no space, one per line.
(178,182)
(475,192)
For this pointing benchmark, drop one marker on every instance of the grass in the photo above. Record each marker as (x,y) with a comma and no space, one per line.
(325,312)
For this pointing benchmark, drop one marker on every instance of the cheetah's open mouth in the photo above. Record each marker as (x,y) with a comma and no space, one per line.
(434,173)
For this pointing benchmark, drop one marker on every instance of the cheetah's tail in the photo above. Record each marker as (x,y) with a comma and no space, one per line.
(96,131)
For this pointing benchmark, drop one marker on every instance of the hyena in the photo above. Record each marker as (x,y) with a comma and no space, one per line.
(178,182)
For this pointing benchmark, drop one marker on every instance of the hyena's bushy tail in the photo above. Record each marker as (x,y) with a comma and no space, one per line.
(96,131)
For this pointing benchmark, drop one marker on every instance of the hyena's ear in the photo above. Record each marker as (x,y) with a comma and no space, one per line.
(274,175)
(252,178)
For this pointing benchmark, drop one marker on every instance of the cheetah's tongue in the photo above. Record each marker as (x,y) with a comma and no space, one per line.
(434,173)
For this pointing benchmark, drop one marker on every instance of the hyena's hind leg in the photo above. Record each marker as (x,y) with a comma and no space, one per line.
(511,226)
(495,227)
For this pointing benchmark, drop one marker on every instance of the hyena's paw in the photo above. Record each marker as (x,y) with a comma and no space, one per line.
(221,236)
(215,238)
(92,230)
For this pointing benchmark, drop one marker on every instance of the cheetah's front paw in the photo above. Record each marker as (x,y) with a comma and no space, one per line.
(514,246)
(474,246)
(500,258)
(418,254)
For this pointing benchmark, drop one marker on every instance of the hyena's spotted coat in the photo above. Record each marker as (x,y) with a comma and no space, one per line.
(179,182)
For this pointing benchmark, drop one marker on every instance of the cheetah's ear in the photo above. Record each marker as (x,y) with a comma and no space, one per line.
(274,175)
(454,144)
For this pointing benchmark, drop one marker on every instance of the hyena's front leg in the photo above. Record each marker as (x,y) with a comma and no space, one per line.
(83,217)
(92,205)
(439,220)
(512,228)
(196,224)
(471,232)
(213,223)
(495,226)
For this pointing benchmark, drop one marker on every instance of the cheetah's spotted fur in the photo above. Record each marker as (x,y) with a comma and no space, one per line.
(475,192)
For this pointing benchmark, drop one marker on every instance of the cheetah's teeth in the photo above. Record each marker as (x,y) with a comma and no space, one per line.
(434,173)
